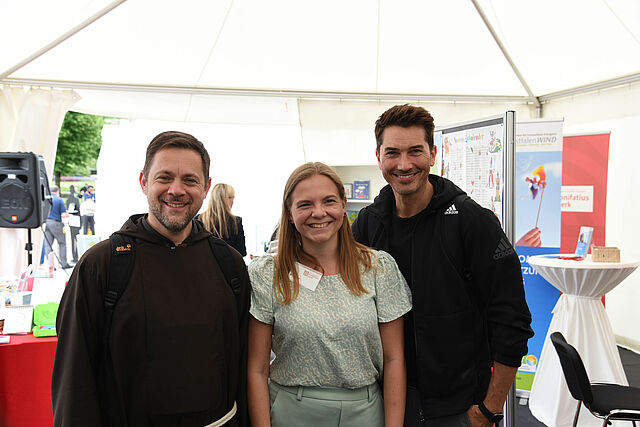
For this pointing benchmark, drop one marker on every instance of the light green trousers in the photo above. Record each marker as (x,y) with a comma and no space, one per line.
(326,407)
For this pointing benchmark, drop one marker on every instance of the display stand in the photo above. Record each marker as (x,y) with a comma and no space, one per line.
(29,248)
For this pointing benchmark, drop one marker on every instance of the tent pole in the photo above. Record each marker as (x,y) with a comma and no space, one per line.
(627,79)
(504,51)
(267,93)
(509,225)
(62,38)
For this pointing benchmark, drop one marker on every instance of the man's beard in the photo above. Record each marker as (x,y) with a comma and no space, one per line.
(172,224)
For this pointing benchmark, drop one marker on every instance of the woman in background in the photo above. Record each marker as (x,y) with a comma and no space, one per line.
(219,220)
(332,310)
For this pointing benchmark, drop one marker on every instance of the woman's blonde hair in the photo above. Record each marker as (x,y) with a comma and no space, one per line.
(218,217)
(350,252)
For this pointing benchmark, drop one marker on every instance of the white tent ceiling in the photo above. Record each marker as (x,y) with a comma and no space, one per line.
(137,57)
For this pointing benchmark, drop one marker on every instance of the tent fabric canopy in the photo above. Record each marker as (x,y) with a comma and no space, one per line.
(30,121)
(291,49)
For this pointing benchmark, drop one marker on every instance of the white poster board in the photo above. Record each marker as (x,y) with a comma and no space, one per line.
(474,156)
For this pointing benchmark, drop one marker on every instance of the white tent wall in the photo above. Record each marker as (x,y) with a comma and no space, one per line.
(615,110)
(177,107)
(30,120)
(340,133)
(255,159)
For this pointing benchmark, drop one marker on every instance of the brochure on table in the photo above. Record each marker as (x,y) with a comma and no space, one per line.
(584,242)
(18,319)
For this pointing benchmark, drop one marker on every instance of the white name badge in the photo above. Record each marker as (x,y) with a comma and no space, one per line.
(309,278)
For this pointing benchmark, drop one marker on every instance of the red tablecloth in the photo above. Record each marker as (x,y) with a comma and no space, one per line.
(25,381)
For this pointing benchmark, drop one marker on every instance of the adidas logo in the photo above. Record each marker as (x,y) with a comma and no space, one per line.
(504,249)
(451,210)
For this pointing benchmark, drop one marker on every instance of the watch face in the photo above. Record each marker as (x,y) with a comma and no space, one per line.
(497,418)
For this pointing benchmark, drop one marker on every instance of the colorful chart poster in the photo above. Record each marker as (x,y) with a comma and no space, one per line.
(472,158)
(538,198)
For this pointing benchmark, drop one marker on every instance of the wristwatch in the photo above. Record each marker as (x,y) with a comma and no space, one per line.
(493,418)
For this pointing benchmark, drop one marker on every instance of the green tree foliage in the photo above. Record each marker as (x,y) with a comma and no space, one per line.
(79,144)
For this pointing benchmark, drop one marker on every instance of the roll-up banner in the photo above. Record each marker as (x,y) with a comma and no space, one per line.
(538,227)
(584,188)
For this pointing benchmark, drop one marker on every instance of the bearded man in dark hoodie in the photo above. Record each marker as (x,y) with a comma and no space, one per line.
(176,353)
(468,330)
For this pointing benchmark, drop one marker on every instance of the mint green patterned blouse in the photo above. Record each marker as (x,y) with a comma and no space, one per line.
(330,337)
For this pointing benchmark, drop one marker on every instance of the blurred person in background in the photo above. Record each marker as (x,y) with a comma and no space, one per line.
(73,209)
(89,193)
(87,212)
(219,220)
(55,229)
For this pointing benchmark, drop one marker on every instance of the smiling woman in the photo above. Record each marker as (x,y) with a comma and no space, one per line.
(332,310)
(318,212)
(332,250)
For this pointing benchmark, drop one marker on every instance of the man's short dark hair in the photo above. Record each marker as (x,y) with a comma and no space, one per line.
(174,139)
(405,116)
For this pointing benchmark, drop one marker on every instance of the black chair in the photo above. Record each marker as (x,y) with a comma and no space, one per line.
(606,401)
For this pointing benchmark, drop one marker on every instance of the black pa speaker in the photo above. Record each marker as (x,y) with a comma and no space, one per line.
(25,198)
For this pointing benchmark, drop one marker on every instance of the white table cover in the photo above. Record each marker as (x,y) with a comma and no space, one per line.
(580,316)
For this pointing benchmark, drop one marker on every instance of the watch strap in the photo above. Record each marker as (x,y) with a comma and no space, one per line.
(493,418)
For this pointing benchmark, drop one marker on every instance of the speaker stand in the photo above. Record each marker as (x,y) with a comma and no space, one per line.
(29,248)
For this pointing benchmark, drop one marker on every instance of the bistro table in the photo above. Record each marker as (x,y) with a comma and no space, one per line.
(580,316)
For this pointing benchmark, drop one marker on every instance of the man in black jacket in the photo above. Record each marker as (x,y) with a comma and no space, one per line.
(468,330)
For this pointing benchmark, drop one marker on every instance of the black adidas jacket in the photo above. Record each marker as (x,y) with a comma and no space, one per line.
(468,296)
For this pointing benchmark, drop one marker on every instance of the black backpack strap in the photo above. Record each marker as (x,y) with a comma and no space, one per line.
(120,268)
(222,252)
